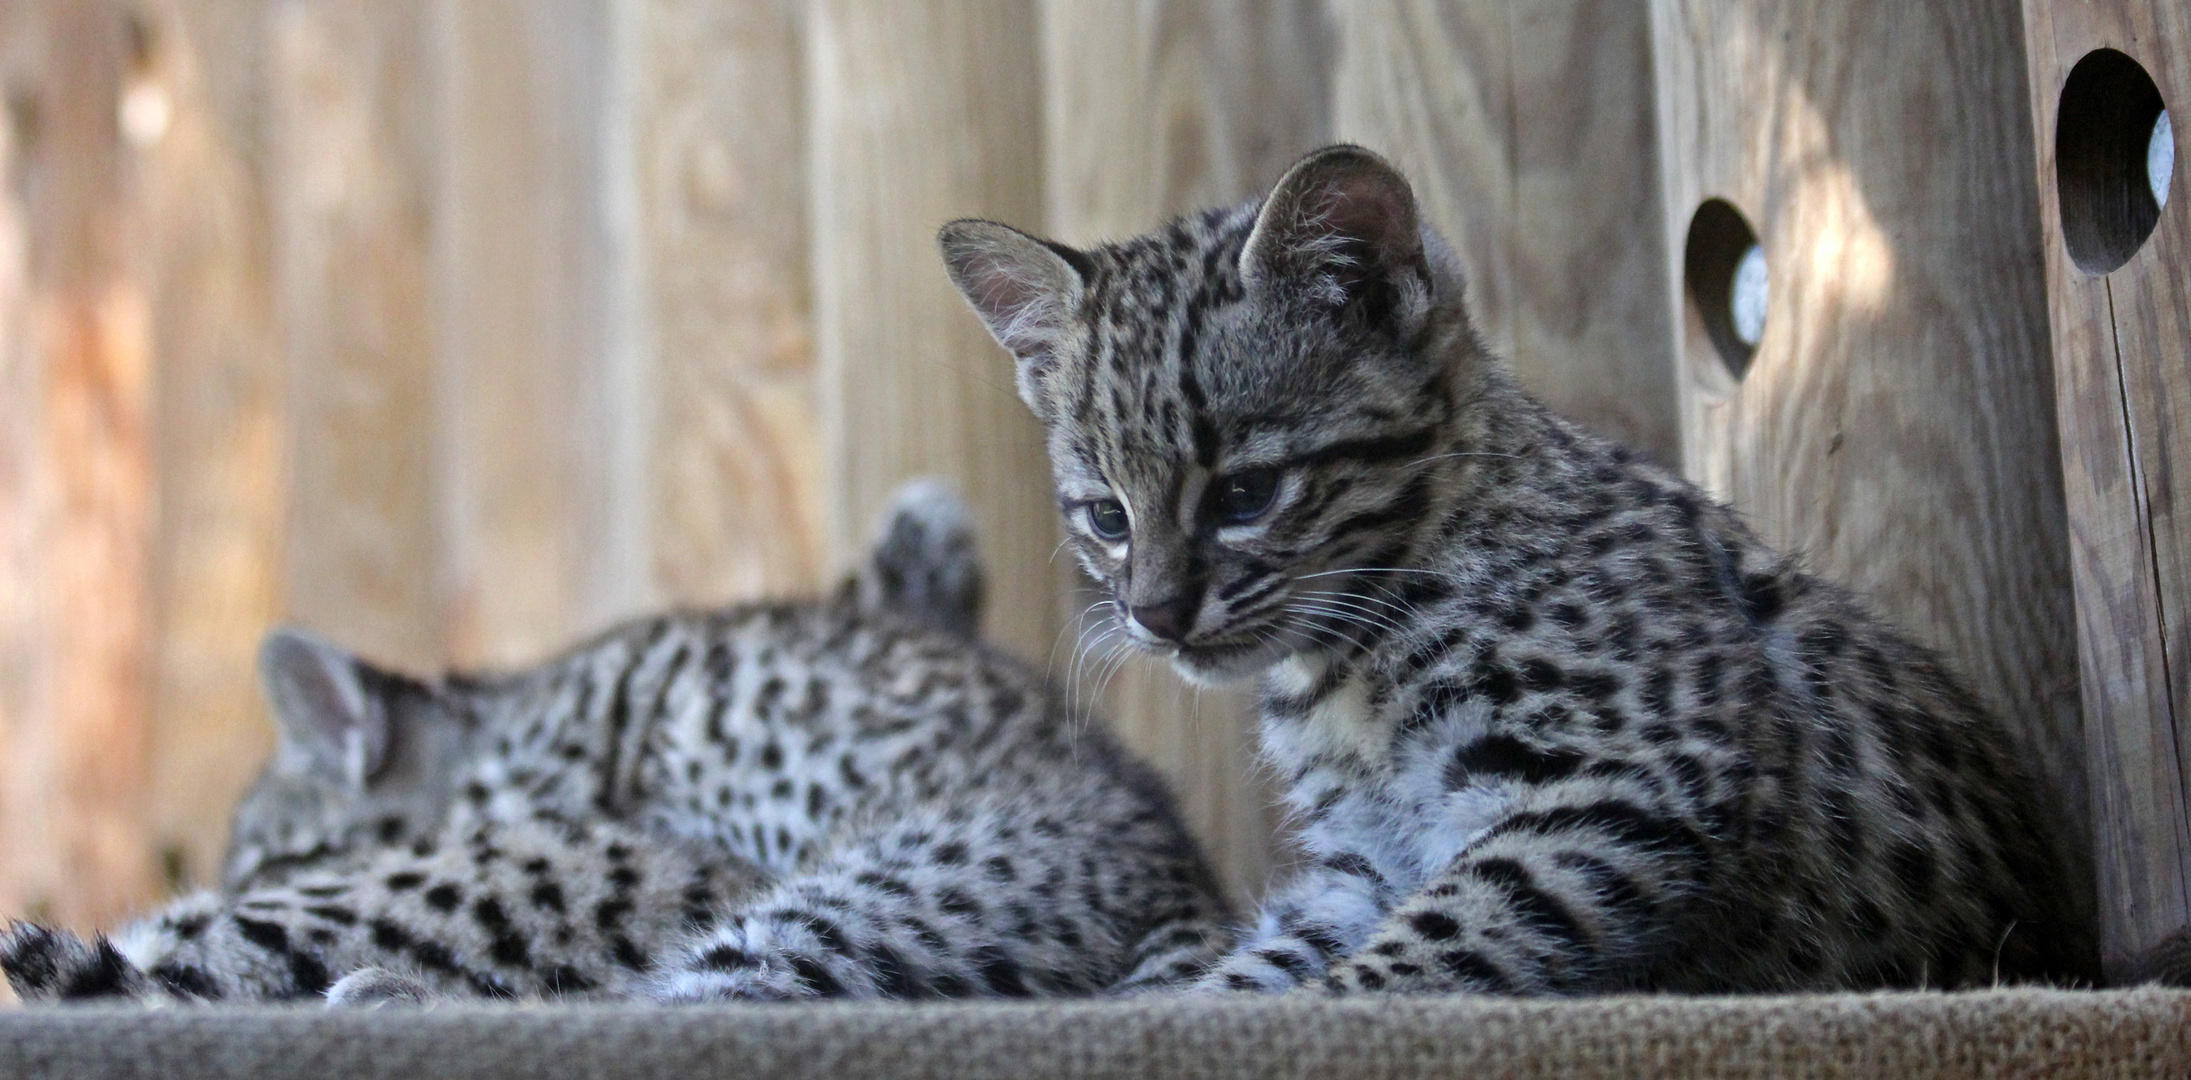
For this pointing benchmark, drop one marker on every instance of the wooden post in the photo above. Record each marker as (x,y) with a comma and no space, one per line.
(1155,110)
(1526,127)
(921,112)
(2121,336)
(76,480)
(1895,422)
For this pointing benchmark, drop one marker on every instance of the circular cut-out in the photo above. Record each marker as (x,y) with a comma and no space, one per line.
(2114,158)
(1723,268)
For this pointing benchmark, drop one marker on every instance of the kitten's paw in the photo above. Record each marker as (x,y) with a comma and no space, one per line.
(44,964)
(745,980)
(371,988)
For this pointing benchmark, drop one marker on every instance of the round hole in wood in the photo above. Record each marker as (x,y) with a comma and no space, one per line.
(2114,158)
(1724,272)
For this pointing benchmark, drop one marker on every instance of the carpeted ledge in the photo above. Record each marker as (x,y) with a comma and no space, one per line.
(1994,1035)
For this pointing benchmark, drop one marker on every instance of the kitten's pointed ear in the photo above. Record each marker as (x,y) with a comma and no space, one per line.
(327,702)
(1341,229)
(1023,288)
(925,562)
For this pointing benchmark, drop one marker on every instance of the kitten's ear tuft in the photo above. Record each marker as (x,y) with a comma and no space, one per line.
(1023,288)
(925,562)
(1340,228)
(327,702)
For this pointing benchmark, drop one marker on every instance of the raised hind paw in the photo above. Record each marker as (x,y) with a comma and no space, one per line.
(43,964)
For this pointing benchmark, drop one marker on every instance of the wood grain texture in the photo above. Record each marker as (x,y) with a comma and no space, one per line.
(542,478)
(217,560)
(1896,424)
(349,139)
(1154,110)
(2124,396)
(719,141)
(1527,129)
(921,112)
(76,481)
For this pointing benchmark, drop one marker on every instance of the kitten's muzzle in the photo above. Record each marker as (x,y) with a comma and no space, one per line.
(1171,620)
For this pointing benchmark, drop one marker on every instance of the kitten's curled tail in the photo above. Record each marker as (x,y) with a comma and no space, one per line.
(925,562)
(45,965)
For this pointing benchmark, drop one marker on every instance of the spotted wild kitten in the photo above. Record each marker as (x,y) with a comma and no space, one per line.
(494,909)
(1550,720)
(837,797)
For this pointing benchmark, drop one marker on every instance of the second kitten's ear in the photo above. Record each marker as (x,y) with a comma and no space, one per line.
(924,562)
(1023,288)
(326,702)
(1341,230)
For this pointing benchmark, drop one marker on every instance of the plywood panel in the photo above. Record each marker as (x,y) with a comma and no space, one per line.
(1528,130)
(718,138)
(1895,425)
(921,112)
(76,481)
(2120,343)
(1154,110)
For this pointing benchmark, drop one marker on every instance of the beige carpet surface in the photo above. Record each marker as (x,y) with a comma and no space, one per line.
(1995,1034)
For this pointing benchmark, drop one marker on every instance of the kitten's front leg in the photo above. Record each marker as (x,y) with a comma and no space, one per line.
(1566,897)
(1320,916)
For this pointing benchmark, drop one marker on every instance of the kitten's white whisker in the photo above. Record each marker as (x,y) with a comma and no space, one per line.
(1074,683)
(1078,624)
(1352,618)
(1382,599)
(1458,454)
(1373,570)
(1391,621)
(1119,658)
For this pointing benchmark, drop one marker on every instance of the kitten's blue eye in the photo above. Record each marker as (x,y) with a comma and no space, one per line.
(1245,495)
(1107,519)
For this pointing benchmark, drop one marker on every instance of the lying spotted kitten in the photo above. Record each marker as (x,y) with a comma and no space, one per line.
(520,909)
(838,797)
(1550,719)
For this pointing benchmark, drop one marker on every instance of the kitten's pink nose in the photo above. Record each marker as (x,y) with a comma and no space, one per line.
(1169,620)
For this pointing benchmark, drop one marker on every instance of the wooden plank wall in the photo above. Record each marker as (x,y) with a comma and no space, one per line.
(432,326)
(218,441)
(717,127)
(2120,338)
(456,329)
(1896,422)
(75,491)
(1528,132)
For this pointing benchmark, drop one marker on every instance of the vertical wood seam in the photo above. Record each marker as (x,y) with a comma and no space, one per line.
(2142,507)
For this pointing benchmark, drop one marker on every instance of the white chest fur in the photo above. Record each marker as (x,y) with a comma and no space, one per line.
(1384,796)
